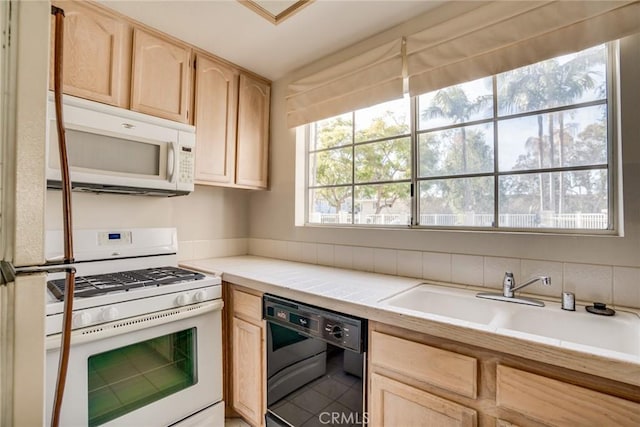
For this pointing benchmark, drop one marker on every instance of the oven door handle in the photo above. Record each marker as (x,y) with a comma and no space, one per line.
(132,324)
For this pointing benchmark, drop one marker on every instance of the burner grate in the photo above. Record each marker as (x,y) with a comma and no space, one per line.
(99,284)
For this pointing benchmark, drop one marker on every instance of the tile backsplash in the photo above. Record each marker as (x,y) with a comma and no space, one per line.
(201,249)
(602,283)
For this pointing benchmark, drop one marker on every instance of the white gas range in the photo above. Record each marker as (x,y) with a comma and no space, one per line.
(146,346)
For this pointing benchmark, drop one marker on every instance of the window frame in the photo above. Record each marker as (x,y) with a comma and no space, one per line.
(354,184)
(612,167)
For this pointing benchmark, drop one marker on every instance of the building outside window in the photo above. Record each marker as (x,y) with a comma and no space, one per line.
(528,149)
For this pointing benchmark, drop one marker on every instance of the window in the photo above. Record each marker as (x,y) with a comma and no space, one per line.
(526,149)
(360,167)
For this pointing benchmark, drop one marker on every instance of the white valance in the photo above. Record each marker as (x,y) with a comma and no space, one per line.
(464,41)
(364,80)
(493,37)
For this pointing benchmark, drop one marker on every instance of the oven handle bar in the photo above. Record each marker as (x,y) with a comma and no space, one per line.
(133,324)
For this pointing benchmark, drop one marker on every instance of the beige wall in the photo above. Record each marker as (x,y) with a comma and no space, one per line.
(206,214)
(272,212)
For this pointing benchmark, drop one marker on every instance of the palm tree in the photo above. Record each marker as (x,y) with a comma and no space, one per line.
(566,84)
(523,91)
(454,104)
(544,85)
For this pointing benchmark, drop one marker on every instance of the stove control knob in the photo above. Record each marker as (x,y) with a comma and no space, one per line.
(81,319)
(110,313)
(182,299)
(200,296)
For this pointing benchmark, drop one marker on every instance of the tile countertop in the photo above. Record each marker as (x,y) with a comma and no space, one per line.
(359,293)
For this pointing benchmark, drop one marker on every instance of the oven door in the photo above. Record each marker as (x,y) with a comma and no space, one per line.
(311,382)
(150,370)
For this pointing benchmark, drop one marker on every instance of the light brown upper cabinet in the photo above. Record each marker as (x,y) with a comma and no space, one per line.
(253,133)
(160,80)
(111,59)
(216,104)
(97,54)
(232,126)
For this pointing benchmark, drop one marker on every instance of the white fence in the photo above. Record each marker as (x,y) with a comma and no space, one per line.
(588,221)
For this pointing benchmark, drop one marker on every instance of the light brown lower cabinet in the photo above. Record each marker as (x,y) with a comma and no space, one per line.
(415,379)
(446,369)
(393,403)
(247,360)
(420,380)
(557,403)
(247,374)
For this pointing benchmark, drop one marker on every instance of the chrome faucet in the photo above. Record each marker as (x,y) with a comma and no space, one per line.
(509,288)
(508,283)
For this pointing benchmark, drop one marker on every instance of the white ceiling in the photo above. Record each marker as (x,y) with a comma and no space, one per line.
(232,31)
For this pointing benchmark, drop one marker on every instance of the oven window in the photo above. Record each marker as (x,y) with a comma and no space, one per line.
(128,378)
(283,337)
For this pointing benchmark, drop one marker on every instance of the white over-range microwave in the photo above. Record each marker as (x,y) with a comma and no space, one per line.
(114,150)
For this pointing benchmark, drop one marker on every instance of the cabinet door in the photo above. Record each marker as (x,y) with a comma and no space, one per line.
(97,54)
(247,370)
(160,77)
(253,133)
(556,403)
(216,103)
(393,403)
(445,369)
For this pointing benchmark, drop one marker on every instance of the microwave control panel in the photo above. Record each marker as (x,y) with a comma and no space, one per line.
(186,165)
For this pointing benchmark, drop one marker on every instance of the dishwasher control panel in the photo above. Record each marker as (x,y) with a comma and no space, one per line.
(335,328)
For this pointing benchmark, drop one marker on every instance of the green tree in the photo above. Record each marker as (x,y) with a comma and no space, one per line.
(388,159)
(470,194)
(544,85)
(587,191)
(453,103)
(333,166)
(583,191)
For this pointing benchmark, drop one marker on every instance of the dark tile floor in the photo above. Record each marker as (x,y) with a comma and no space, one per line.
(334,399)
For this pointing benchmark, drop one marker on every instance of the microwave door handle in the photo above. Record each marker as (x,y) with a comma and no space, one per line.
(171,161)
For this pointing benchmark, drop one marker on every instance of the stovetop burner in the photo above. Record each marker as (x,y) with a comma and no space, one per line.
(99,284)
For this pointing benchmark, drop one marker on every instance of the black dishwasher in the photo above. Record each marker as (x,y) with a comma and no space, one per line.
(315,365)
